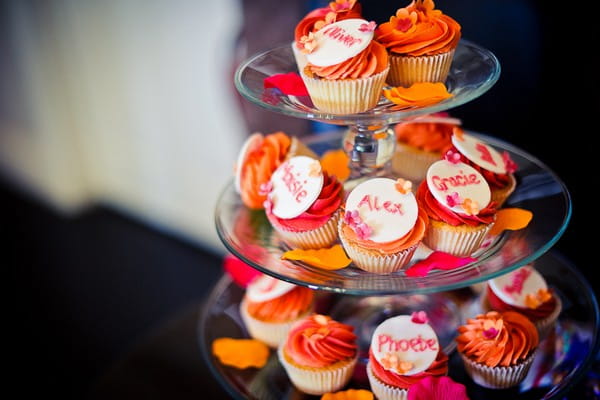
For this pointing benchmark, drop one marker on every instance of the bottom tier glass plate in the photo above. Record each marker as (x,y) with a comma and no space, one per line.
(565,355)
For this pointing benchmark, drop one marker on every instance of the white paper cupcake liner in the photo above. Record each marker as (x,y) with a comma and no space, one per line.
(318,381)
(461,243)
(377,264)
(546,325)
(383,391)
(498,377)
(270,333)
(345,96)
(411,163)
(322,237)
(406,70)
(501,195)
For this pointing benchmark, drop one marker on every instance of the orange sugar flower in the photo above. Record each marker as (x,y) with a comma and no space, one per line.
(403,186)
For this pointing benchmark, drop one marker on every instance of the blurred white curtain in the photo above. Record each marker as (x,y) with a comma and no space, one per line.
(127,102)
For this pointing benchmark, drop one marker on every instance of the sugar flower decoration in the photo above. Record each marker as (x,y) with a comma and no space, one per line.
(452,156)
(419,317)
(342,5)
(354,221)
(404,186)
(314,169)
(370,27)
(509,164)
(308,43)
(458,133)
(265,188)
(491,328)
(535,300)
(470,206)
(453,199)
(438,388)
(391,361)
(268,205)
(404,21)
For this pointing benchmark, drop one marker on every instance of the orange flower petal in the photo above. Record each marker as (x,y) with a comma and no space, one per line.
(331,258)
(335,162)
(240,353)
(350,394)
(420,94)
(511,219)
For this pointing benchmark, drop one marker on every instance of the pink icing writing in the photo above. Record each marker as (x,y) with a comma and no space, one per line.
(340,34)
(461,179)
(295,187)
(519,278)
(485,153)
(418,344)
(374,204)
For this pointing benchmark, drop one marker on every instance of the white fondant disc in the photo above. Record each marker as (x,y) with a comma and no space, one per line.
(480,153)
(294,189)
(513,288)
(389,213)
(444,178)
(339,41)
(266,288)
(409,341)
(249,145)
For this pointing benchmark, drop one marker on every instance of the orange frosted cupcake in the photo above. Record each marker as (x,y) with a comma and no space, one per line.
(346,68)
(319,354)
(270,306)
(421,42)
(404,350)
(498,348)
(524,290)
(304,203)
(338,10)
(457,200)
(382,225)
(258,158)
(420,143)
(497,169)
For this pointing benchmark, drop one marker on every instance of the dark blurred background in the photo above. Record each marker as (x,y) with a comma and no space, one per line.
(119,124)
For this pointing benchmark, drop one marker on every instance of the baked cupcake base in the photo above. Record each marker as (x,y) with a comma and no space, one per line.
(317,381)
(412,163)
(498,377)
(406,70)
(460,241)
(322,237)
(382,390)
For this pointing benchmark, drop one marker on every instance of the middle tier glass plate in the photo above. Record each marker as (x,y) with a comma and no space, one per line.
(248,235)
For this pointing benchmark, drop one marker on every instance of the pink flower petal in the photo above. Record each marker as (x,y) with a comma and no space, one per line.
(438,388)
(438,260)
(240,272)
(289,84)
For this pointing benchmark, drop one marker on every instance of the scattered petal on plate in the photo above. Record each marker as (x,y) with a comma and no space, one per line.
(289,84)
(350,394)
(240,353)
(511,219)
(331,258)
(335,162)
(240,272)
(437,260)
(420,94)
(438,388)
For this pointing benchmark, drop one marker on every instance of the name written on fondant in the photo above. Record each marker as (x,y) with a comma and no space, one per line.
(386,343)
(375,204)
(461,179)
(294,186)
(340,35)
(519,278)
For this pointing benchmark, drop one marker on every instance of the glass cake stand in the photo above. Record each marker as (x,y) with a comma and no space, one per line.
(564,356)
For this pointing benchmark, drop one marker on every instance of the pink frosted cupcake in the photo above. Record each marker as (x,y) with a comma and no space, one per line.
(271,306)
(421,42)
(457,200)
(498,348)
(404,350)
(338,10)
(319,354)
(304,203)
(525,291)
(382,225)
(497,169)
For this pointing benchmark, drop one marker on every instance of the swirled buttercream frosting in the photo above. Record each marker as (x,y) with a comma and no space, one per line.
(286,307)
(438,368)
(338,10)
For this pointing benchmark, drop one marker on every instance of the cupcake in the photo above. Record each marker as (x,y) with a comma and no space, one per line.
(404,350)
(497,169)
(420,41)
(271,306)
(525,291)
(259,156)
(319,354)
(346,69)
(338,10)
(382,225)
(304,203)
(457,200)
(497,349)
(420,143)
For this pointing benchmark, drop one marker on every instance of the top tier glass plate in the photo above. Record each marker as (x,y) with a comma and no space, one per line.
(248,234)
(474,70)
